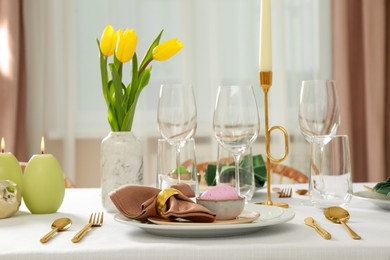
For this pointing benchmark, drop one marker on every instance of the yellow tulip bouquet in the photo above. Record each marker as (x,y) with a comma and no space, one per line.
(122,99)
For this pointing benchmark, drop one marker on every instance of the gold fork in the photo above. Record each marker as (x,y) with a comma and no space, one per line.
(95,220)
(285,193)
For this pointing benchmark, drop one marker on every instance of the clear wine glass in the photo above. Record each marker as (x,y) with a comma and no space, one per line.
(319,113)
(176,116)
(236,122)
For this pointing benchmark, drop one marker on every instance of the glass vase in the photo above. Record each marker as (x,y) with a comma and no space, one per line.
(121,163)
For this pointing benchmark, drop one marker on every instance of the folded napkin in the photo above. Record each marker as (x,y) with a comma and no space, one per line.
(258,167)
(141,202)
(383,187)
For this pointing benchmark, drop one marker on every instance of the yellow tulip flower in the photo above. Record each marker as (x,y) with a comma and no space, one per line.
(121,98)
(126,44)
(167,49)
(108,41)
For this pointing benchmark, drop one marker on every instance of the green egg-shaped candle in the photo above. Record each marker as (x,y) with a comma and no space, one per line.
(43,184)
(10,168)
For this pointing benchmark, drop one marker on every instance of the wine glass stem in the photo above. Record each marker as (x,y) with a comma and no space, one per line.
(237,171)
(178,162)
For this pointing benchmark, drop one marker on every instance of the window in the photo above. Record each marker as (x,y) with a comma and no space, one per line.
(221,46)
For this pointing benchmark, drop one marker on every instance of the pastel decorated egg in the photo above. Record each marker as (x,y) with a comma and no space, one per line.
(10,198)
(223,200)
(220,192)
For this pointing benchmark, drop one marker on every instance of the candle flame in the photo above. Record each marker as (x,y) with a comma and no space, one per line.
(43,145)
(2,145)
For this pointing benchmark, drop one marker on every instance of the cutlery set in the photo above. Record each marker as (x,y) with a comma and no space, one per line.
(336,215)
(62,224)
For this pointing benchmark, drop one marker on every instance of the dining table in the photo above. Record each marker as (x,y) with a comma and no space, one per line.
(118,238)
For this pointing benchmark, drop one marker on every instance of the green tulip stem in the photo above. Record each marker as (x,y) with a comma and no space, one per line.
(145,65)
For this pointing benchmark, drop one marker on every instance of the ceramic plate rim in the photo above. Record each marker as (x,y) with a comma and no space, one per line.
(368,196)
(282,215)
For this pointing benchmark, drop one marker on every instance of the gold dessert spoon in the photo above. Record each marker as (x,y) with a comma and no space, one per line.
(340,215)
(60,224)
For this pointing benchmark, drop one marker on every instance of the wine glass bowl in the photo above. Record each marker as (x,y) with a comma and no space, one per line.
(236,122)
(177,116)
(319,113)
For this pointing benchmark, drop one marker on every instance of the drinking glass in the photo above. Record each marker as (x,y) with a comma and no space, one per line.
(319,110)
(167,168)
(236,122)
(330,172)
(176,116)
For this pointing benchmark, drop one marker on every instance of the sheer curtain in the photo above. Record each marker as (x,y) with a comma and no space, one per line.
(221,39)
(361,39)
(12,78)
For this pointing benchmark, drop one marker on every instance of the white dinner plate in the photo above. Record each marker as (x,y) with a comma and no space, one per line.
(269,215)
(378,199)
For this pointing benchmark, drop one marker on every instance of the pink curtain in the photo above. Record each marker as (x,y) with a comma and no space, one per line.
(12,78)
(361,68)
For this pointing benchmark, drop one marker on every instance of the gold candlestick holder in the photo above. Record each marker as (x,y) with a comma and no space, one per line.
(265,83)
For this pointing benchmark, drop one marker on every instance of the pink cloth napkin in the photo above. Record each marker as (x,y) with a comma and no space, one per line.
(139,202)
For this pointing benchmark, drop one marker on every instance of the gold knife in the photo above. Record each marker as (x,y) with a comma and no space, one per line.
(312,223)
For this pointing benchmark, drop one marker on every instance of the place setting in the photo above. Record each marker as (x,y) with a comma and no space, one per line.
(182,217)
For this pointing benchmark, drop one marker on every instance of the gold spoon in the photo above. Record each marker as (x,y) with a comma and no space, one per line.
(340,215)
(60,224)
(301,191)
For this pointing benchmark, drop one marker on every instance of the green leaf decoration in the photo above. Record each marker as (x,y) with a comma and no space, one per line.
(209,175)
(228,170)
(383,187)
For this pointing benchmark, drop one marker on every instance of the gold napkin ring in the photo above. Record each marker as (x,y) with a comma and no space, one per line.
(162,198)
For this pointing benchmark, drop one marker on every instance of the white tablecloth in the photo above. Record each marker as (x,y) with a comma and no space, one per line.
(292,240)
